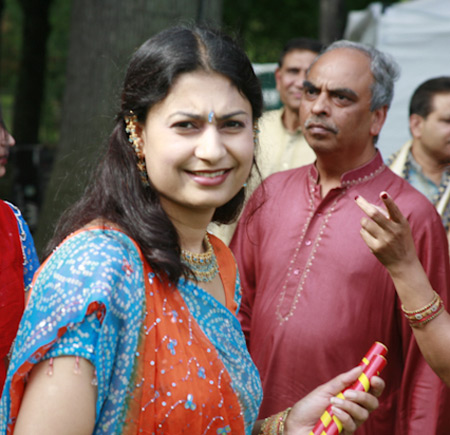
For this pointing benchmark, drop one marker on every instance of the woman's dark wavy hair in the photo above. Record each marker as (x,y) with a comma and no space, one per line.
(115,192)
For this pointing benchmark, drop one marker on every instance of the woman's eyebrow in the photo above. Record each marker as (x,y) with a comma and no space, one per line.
(197,116)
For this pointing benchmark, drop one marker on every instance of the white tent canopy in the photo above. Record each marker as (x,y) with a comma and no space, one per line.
(417,34)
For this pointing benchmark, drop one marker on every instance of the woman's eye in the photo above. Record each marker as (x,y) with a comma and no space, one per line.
(233,124)
(184,125)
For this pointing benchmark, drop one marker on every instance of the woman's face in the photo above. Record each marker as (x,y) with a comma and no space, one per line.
(198,143)
(6,142)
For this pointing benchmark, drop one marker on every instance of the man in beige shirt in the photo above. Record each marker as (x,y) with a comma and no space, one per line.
(282,144)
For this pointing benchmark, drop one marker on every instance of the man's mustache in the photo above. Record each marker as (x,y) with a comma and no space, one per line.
(318,122)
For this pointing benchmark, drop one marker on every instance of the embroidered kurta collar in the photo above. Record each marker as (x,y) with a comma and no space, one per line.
(358,175)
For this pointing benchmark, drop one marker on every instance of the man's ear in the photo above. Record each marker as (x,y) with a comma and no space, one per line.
(415,125)
(278,78)
(378,118)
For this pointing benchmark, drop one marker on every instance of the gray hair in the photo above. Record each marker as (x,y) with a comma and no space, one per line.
(384,68)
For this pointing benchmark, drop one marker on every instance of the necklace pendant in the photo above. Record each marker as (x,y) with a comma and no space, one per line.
(204,267)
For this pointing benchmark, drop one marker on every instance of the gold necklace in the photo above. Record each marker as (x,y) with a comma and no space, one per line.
(203,266)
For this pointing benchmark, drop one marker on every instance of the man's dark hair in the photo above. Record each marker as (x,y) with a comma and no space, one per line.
(422,100)
(300,44)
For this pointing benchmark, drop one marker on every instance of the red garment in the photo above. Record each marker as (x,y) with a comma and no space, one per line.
(315,298)
(12,297)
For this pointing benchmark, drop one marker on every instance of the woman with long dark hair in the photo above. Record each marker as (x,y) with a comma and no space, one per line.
(131,323)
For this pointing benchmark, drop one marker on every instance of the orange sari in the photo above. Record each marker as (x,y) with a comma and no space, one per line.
(181,367)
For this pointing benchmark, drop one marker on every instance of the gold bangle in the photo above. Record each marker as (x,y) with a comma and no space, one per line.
(426,307)
(283,421)
(425,314)
(428,319)
(269,426)
(262,431)
(420,317)
(274,425)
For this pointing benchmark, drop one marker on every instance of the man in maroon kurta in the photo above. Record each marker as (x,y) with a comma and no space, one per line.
(314,297)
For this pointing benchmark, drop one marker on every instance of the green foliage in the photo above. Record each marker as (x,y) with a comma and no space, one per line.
(265,25)
(12,23)
(58,46)
(10,55)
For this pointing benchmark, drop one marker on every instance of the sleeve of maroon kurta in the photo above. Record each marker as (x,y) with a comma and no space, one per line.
(424,402)
(243,244)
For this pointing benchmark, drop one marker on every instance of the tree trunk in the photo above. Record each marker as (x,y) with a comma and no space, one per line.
(28,102)
(2,7)
(332,20)
(102,39)
(31,81)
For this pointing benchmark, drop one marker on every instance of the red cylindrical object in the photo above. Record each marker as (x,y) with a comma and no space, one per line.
(374,361)
(377,348)
(376,365)
(332,429)
(318,428)
(322,424)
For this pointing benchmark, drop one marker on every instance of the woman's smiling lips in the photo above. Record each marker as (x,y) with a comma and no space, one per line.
(209,178)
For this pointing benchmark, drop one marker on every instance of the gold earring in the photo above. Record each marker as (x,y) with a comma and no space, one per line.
(133,138)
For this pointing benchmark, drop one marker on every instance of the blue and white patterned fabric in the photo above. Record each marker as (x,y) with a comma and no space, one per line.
(30,258)
(89,301)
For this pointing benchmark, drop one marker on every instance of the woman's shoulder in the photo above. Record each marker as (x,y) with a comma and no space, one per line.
(94,261)
(97,243)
